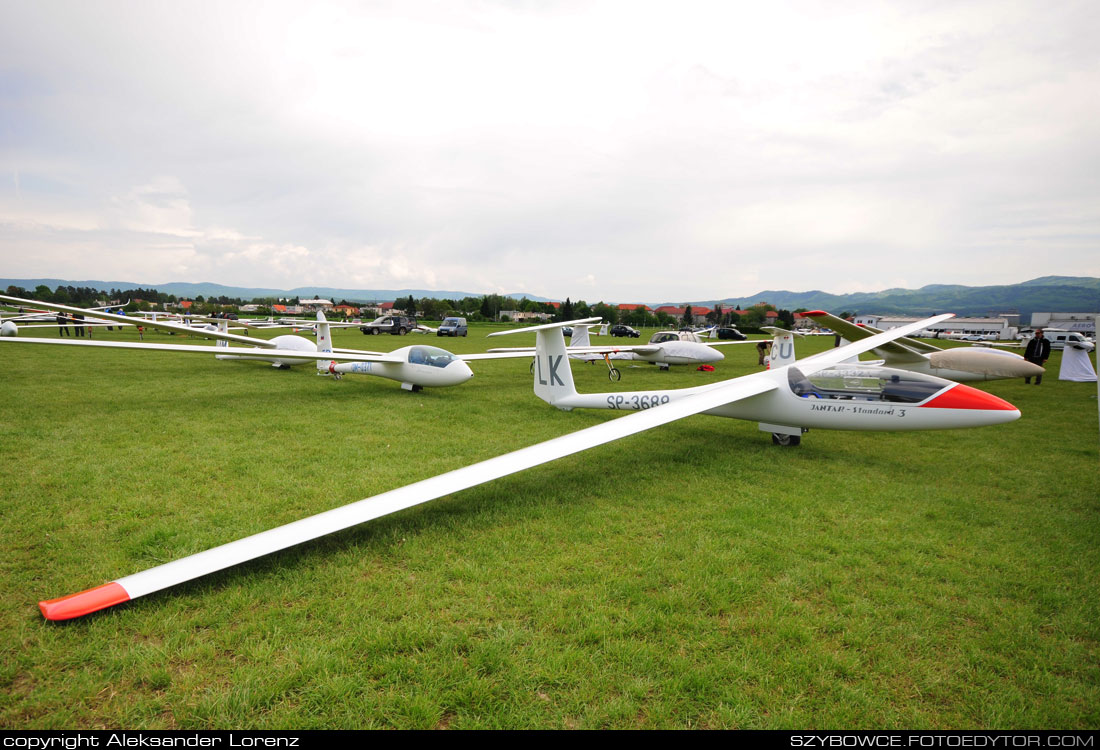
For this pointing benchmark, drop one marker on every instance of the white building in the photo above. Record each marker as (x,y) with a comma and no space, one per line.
(1084,323)
(998,327)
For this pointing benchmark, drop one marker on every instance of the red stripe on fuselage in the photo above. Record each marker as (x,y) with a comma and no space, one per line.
(965,397)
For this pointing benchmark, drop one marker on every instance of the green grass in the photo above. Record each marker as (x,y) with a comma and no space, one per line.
(690,576)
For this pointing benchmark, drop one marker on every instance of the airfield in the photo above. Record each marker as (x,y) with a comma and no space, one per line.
(693,576)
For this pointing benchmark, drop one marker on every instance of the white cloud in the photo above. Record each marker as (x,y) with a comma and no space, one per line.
(604,149)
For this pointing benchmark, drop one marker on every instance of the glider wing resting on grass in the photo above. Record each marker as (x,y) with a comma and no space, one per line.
(961,364)
(820,391)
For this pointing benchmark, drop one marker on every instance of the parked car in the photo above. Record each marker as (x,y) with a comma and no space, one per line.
(452,327)
(1060,338)
(398,325)
(621,330)
(731,334)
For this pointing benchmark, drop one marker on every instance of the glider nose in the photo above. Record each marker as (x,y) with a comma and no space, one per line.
(462,371)
(1024,369)
(971,402)
(713,355)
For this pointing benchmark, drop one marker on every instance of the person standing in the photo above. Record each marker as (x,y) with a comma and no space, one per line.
(762,352)
(62,326)
(1037,352)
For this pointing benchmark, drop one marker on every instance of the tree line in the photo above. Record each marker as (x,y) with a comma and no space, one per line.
(487,307)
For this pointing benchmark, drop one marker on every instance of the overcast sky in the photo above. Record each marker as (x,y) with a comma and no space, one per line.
(618,151)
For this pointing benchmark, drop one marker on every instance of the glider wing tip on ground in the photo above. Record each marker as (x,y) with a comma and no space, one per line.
(84,602)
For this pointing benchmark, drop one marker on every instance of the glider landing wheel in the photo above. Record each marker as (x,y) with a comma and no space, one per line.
(614,374)
(787,441)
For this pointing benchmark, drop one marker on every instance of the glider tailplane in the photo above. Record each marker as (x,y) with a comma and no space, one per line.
(553,376)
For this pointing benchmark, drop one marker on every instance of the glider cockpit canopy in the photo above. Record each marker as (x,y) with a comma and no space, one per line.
(854,383)
(430,355)
(662,336)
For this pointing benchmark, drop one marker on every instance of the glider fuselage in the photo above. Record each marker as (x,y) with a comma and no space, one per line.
(424,366)
(842,397)
(676,353)
(287,342)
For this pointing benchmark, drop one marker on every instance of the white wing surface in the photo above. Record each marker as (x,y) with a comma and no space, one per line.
(876,341)
(498,354)
(264,543)
(130,320)
(237,351)
(530,350)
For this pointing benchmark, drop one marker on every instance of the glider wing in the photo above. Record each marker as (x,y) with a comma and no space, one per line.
(237,351)
(130,320)
(273,540)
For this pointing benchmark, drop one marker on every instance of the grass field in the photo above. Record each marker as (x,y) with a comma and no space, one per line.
(691,576)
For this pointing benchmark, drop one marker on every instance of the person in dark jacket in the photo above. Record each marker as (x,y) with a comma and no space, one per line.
(762,352)
(1037,352)
(62,326)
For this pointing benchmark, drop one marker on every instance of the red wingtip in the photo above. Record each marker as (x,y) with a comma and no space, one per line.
(84,603)
(811,313)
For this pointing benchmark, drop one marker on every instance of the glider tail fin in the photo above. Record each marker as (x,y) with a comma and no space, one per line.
(324,341)
(782,352)
(580,336)
(553,376)
(223,326)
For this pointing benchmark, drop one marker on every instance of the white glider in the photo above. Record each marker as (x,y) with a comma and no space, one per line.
(665,348)
(961,364)
(817,392)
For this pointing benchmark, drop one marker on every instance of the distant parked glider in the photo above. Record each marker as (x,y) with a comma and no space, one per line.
(665,348)
(961,364)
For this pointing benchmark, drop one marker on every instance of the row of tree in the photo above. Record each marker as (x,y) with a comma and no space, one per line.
(490,307)
(483,308)
(132,299)
(86,295)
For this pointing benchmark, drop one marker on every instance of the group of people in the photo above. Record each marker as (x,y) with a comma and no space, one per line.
(78,325)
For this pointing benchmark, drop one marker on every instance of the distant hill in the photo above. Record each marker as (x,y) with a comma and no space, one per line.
(1046,294)
(188,290)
